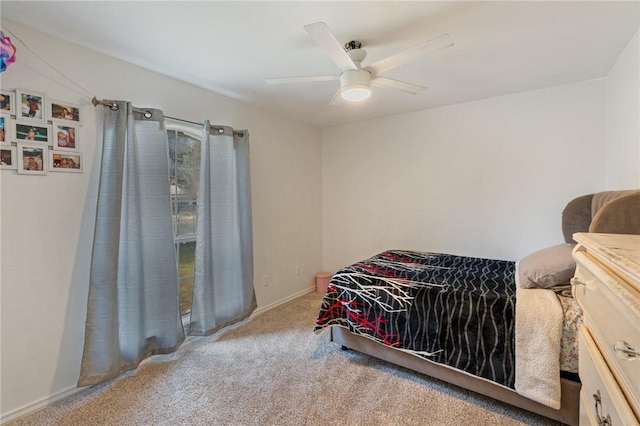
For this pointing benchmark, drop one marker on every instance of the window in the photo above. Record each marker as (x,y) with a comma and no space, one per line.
(184,176)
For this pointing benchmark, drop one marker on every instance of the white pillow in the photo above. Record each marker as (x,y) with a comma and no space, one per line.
(547,267)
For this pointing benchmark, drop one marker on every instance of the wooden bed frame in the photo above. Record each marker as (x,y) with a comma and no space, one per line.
(570,397)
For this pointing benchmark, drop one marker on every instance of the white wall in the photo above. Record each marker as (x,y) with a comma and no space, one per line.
(487,178)
(623,112)
(46,222)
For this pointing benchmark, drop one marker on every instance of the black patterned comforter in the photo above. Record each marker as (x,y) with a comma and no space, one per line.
(453,310)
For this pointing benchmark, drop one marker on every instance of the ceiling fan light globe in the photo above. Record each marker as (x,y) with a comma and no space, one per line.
(355,92)
(355,85)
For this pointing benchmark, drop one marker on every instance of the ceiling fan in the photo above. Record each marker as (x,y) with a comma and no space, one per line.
(355,80)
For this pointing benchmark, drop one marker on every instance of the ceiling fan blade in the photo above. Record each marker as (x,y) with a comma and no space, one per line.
(285,80)
(337,98)
(408,55)
(327,41)
(397,85)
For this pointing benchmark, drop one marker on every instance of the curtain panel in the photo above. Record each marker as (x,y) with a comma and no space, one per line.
(133,309)
(223,290)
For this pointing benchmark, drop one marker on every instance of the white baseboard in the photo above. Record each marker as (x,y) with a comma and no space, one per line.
(283,301)
(36,405)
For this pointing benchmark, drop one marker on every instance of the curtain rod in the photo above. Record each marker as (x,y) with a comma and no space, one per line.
(214,129)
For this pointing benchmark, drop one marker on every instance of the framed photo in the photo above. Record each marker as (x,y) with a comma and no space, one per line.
(5,128)
(32,158)
(64,136)
(64,161)
(8,102)
(8,158)
(30,105)
(64,111)
(24,130)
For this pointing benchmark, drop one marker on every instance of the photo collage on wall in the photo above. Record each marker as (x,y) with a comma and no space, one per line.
(37,135)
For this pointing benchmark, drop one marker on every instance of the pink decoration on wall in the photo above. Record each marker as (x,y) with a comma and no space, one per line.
(7,52)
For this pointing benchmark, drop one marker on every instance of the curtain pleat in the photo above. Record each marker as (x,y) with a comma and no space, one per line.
(133,310)
(223,282)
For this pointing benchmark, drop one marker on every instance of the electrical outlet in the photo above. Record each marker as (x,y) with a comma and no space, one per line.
(266,280)
(302,268)
(298,269)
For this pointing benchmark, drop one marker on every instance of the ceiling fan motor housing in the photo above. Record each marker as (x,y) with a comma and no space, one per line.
(357,55)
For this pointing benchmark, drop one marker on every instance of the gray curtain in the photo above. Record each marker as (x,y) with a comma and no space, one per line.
(223,282)
(133,307)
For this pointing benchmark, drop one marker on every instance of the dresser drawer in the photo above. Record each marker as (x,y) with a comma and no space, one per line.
(613,316)
(600,396)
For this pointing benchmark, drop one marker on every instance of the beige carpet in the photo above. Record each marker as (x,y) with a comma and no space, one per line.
(273,370)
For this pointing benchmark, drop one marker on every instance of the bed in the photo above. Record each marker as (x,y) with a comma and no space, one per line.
(455,318)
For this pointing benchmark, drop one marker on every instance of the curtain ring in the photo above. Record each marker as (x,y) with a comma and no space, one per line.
(148,114)
(221,130)
(114,107)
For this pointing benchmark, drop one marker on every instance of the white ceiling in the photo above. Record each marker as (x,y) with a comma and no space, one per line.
(230,47)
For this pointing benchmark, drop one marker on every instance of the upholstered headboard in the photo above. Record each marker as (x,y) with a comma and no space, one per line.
(612,212)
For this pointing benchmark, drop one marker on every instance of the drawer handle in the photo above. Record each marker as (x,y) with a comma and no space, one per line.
(625,351)
(576,282)
(605,421)
(575,285)
(602,421)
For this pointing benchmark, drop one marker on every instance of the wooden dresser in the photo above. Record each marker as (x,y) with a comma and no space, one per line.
(607,287)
